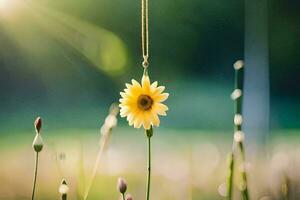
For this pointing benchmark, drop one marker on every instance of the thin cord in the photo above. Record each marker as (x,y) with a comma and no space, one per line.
(145,33)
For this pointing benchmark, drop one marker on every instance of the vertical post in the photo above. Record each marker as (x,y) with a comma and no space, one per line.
(256,90)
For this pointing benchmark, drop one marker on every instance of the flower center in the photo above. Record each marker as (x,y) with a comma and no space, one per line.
(144,102)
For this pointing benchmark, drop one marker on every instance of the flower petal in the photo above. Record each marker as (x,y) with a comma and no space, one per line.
(135,83)
(161,109)
(146,84)
(155,120)
(154,85)
(162,97)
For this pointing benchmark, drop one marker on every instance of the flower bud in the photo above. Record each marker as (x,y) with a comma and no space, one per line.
(237,93)
(122,185)
(238,119)
(63,188)
(238,65)
(239,136)
(37,143)
(129,197)
(149,132)
(38,124)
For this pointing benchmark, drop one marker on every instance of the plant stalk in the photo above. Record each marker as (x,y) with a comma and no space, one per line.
(94,173)
(245,193)
(239,84)
(64,197)
(230,172)
(149,134)
(35,175)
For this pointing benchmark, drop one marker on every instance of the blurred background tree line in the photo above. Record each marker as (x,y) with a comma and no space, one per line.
(68,60)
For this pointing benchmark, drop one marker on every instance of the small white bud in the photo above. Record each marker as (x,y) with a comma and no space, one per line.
(222,190)
(238,119)
(63,188)
(239,136)
(37,143)
(238,65)
(237,93)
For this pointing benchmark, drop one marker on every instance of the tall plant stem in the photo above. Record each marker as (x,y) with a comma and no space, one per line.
(239,84)
(35,174)
(123,196)
(229,183)
(94,173)
(149,134)
(245,193)
(238,140)
(64,197)
(238,100)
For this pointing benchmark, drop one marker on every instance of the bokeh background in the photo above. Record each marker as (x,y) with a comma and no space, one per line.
(66,61)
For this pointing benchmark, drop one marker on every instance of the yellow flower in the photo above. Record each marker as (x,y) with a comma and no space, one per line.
(142,103)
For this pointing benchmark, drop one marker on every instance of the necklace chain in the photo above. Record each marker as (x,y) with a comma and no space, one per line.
(145,33)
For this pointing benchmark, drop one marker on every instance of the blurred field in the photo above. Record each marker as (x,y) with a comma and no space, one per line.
(186,164)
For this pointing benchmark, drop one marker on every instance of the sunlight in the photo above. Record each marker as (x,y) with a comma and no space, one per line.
(7,7)
(3,4)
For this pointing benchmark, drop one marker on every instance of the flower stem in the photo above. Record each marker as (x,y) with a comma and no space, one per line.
(94,173)
(35,175)
(245,193)
(230,175)
(237,96)
(123,196)
(239,84)
(64,197)
(149,134)
(106,130)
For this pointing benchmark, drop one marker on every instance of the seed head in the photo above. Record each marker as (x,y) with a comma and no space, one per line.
(122,185)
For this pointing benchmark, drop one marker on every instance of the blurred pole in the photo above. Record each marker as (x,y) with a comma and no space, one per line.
(256,87)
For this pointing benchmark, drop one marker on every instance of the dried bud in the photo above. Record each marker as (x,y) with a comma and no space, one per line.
(37,143)
(38,124)
(111,121)
(63,188)
(122,185)
(114,109)
(129,197)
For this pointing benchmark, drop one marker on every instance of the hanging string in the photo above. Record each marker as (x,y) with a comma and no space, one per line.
(145,33)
